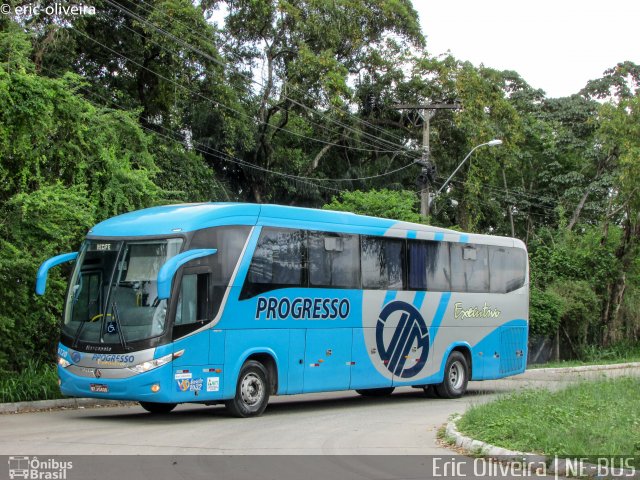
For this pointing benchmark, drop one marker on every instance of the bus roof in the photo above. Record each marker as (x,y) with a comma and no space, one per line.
(180,218)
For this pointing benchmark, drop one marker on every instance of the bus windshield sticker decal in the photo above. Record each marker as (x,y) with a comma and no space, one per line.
(411,329)
(461,312)
(271,308)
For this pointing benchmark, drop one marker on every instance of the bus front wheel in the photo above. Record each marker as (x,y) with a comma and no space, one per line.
(456,376)
(152,407)
(252,391)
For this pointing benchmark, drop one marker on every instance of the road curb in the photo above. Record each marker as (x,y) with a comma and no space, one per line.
(584,368)
(39,405)
(534,461)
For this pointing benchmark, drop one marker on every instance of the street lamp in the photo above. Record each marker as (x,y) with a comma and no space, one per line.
(491,143)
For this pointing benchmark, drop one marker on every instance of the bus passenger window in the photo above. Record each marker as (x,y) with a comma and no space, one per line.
(508,269)
(470,268)
(192,301)
(334,260)
(277,262)
(381,263)
(429,266)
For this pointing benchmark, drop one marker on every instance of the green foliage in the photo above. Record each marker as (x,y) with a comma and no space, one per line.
(583,420)
(544,312)
(112,112)
(579,310)
(396,205)
(36,225)
(37,381)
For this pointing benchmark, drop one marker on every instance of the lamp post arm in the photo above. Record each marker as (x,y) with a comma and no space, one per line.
(458,168)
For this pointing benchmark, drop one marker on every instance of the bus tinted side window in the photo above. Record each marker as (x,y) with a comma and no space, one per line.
(382,261)
(508,269)
(470,268)
(278,262)
(334,260)
(429,267)
(229,241)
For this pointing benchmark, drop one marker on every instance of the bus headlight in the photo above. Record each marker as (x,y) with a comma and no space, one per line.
(63,363)
(151,364)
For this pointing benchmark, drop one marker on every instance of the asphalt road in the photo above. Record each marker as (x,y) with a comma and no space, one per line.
(404,423)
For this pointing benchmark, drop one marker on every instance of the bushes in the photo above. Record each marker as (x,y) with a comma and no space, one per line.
(36,381)
(544,312)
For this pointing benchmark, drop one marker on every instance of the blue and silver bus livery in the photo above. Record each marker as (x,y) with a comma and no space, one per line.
(232,303)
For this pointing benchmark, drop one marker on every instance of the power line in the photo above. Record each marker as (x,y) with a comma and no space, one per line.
(251,79)
(229,158)
(376,149)
(216,102)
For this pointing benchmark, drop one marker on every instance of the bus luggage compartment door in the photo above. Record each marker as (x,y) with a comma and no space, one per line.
(327,363)
(513,349)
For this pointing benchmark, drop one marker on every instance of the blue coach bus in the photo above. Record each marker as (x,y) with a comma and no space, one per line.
(231,303)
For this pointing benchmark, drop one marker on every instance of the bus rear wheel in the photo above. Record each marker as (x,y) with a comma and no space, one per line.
(152,407)
(376,392)
(252,391)
(456,376)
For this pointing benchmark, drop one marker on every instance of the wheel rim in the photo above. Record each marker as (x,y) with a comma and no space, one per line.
(251,390)
(456,375)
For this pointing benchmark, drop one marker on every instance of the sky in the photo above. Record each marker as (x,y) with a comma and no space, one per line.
(555,45)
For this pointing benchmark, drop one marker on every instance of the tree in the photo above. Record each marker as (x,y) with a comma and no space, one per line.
(396,205)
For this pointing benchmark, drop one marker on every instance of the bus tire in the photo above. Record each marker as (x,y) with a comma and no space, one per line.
(376,392)
(153,407)
(252,391)
(456,376)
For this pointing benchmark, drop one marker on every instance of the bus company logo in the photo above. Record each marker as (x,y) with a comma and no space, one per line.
(460,312)
(410,335)
(76,357)
(34,468)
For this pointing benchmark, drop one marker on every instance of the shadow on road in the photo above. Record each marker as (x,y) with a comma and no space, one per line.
(282,405)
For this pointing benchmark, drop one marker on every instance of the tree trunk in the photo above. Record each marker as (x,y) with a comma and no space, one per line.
(578,209)
(506,194)
(625,253)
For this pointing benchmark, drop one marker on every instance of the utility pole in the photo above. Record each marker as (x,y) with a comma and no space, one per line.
(427,174)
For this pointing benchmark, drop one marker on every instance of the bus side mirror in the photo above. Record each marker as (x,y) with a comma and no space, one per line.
(43,271)
(171,266)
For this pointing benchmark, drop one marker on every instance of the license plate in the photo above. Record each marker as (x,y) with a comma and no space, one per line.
(99,387)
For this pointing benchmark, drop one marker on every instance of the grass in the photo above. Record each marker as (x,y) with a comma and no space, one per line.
(579,363)
(590,419)
(593,355)
(36,382)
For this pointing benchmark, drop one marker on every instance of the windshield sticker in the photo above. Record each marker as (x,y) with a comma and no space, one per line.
(460,312)
(272,308)
(111,327)
(213,384)
(187,385)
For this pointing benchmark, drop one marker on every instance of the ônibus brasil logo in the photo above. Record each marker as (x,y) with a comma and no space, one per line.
(411,329)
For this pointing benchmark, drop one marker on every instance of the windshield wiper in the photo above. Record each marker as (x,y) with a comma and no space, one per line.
(116,317)
(77,335)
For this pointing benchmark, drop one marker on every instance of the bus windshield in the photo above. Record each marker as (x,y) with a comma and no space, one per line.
(113,294)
